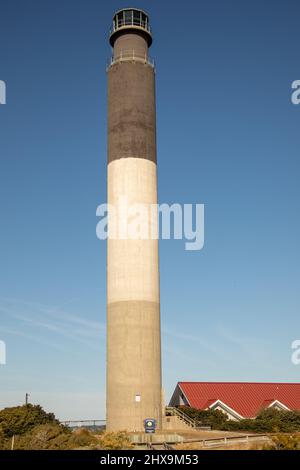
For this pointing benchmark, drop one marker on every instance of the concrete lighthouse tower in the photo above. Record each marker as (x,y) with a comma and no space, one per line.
(133,305)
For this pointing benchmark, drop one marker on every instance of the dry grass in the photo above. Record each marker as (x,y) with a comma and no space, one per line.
(115,441)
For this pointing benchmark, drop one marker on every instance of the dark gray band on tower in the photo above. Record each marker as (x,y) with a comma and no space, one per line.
(131,112)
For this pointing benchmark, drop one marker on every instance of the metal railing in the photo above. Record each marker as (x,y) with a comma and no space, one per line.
(122,23)
(227,440)
(130,18)
(131,55)
(161,446)
(85,423)
(183,416)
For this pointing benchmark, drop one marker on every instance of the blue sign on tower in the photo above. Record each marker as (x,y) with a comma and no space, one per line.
(149,425)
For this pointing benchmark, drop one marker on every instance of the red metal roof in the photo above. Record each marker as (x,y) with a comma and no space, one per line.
(246,398)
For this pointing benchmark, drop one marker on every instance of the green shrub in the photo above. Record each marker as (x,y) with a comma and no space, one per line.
(44,437)
(3,440)
(269,420)
(284,442)
(34,429)
(213,418)
(21,419)
(82,438)
(55,437)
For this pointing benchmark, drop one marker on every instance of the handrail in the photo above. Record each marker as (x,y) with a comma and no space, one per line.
(185,417)
(168,446)
(131,55)
(154,445)
(177,412)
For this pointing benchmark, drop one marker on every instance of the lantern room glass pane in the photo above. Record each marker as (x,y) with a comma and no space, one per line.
(136,17)
(128,16)
(120,19)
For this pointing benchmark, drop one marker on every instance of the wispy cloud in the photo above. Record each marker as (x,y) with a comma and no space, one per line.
(198,359)
(250,350)
(52,320)
(35,338)
(208,346)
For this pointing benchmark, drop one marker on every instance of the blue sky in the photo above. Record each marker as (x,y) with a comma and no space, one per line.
(228,137)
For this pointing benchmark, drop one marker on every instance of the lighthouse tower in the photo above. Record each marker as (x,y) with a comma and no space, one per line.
(133,302)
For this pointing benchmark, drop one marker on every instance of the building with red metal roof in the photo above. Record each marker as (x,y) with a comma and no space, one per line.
(237,399)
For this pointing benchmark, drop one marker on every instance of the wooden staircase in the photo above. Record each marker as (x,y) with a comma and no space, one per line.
(176,419)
